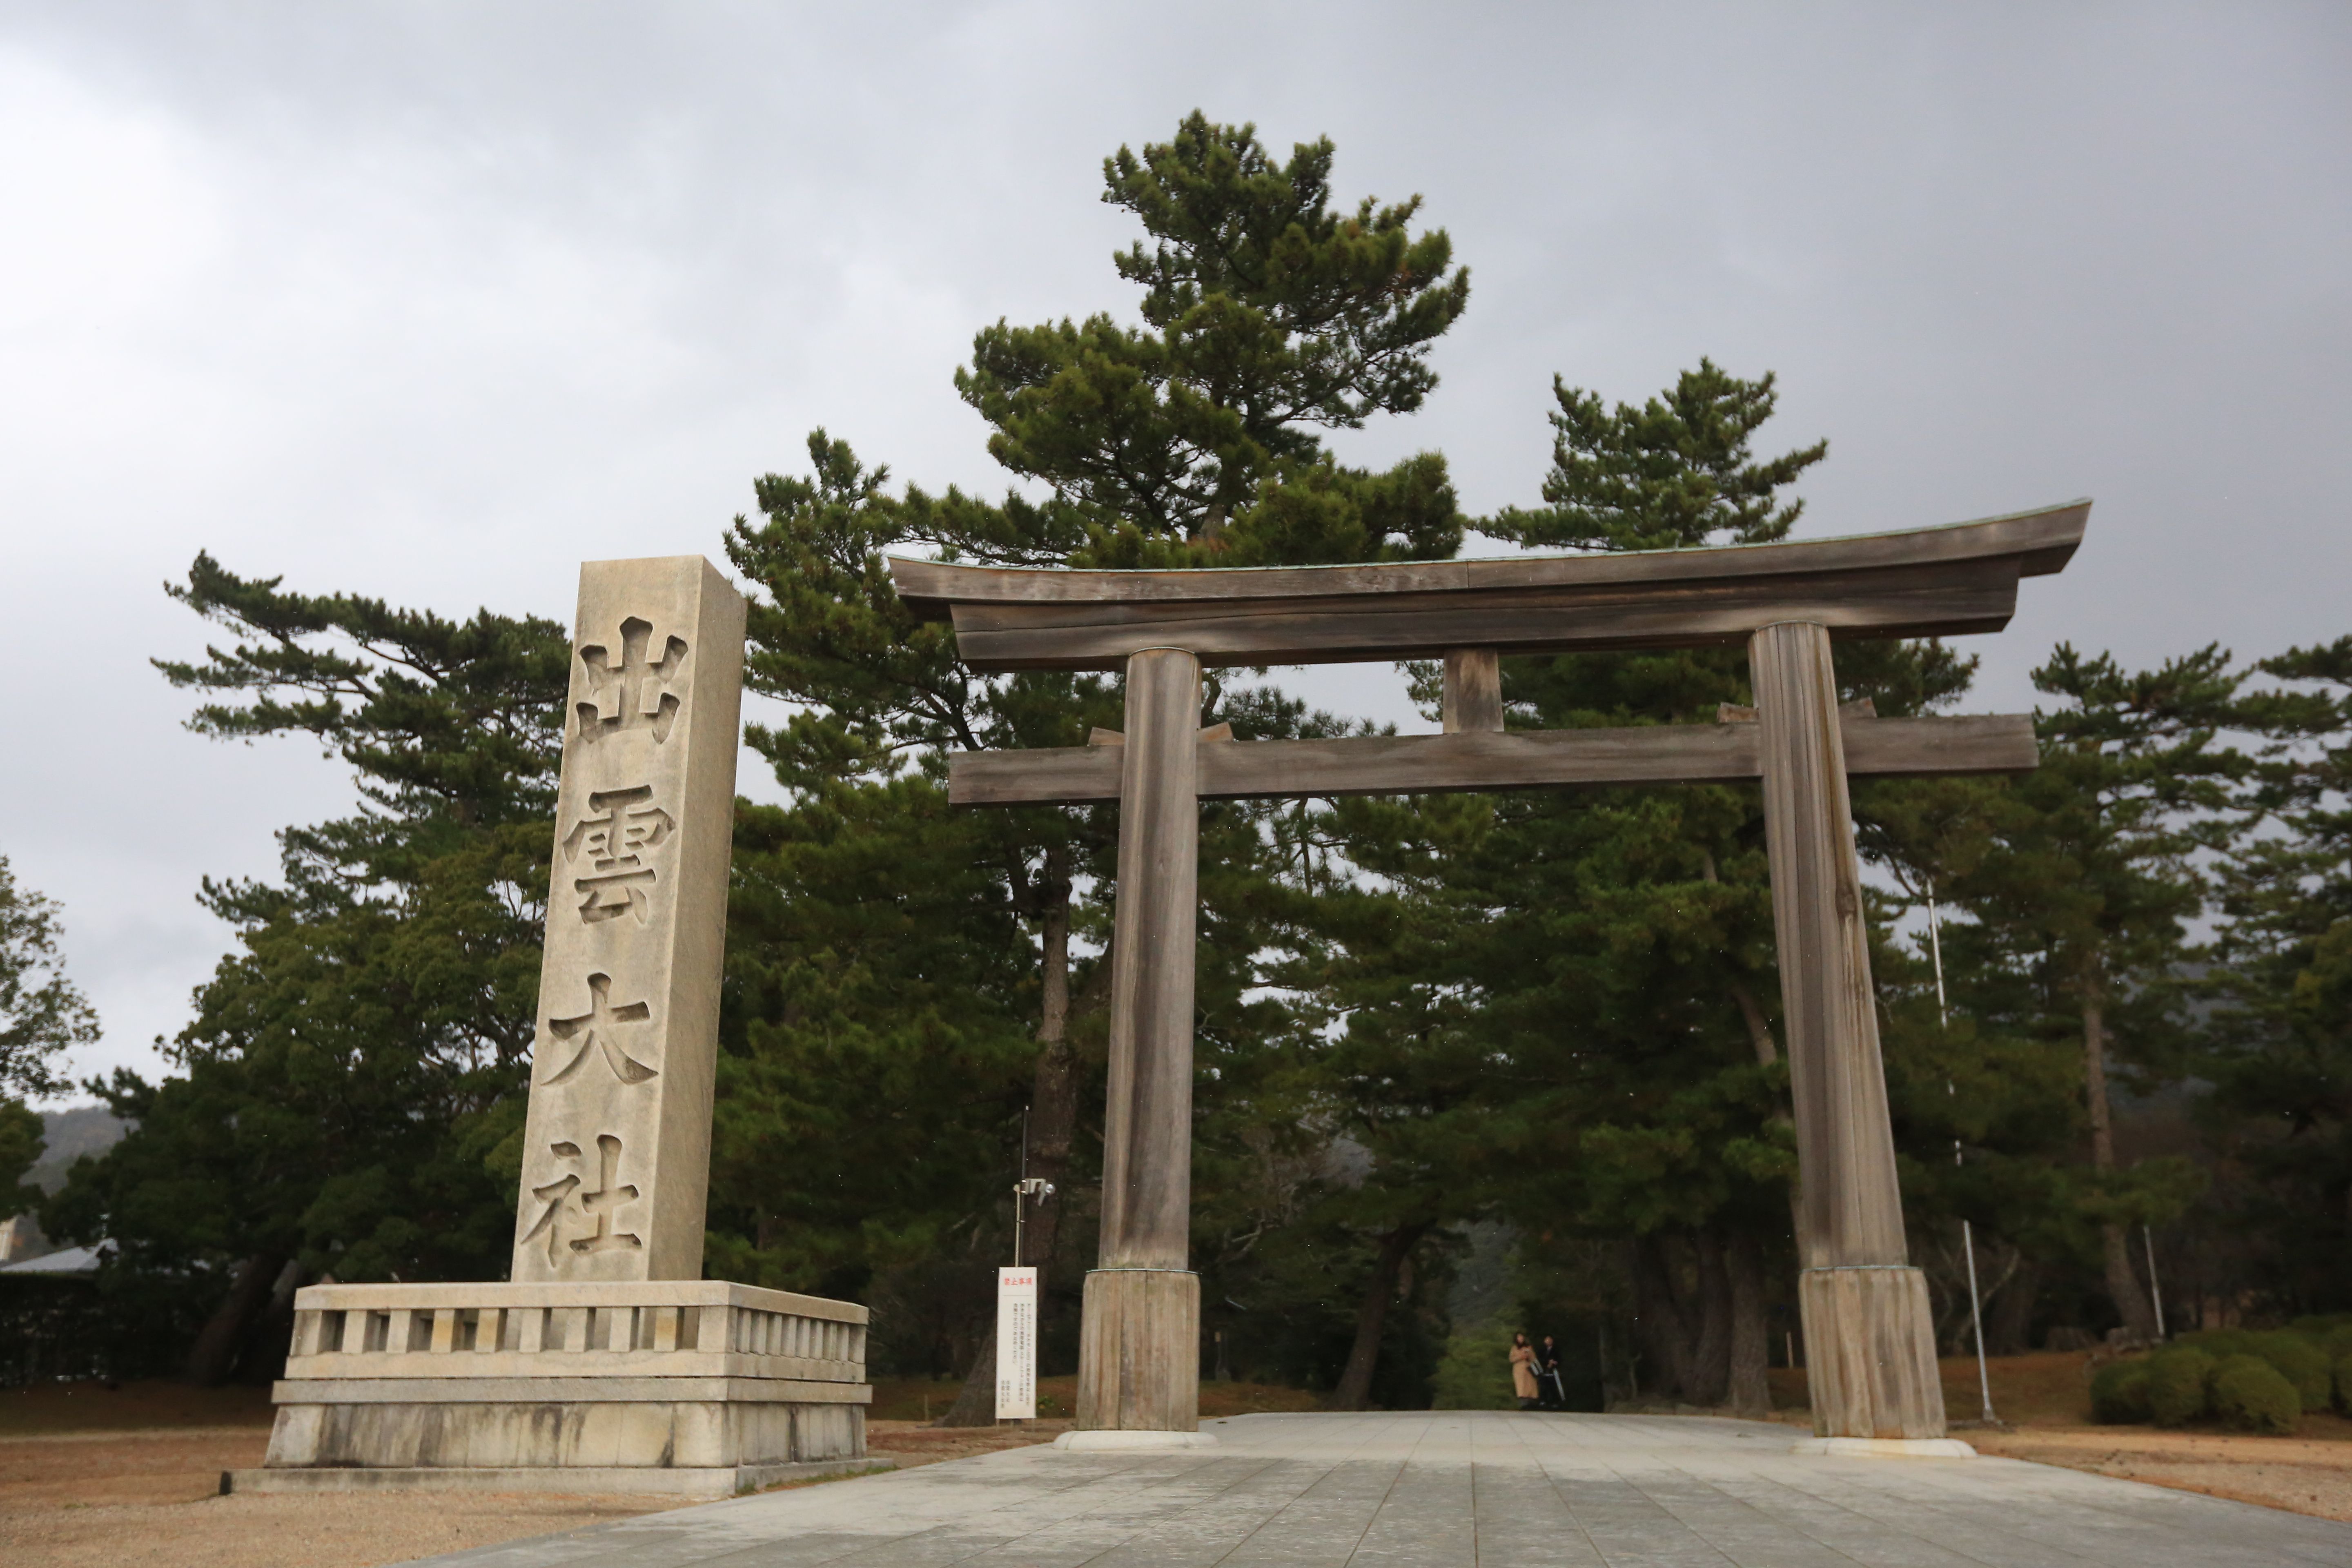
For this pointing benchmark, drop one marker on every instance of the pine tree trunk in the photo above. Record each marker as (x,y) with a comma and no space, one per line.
(2009,1319)
(213,1357)
(1711,1354)
(1388,1266)
(1053,1123)
(2132,1303)
(1659,1319)
(1750,1394)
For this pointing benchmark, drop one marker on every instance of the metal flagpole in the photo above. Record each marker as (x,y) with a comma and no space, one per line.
(1021,1188)
(1967,1231)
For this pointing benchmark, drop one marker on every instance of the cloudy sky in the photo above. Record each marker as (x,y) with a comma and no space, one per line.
(433,300)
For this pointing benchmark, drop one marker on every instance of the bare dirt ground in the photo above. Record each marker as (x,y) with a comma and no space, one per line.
(102,1498)
(2043,1403)
(96,1478)
(2297,1474)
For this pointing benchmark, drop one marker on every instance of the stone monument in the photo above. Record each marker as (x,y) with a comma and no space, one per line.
(606,1362)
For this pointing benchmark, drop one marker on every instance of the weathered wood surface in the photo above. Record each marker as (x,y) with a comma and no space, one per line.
(1922,583)
(1866,1324)
(1853,1210)
(1474,690)
(1493,760)
(1146,1190)
(1870,1353)
(1139,1351)
(1138,1359)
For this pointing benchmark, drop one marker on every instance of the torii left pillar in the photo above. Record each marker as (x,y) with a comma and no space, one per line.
(1138,1346)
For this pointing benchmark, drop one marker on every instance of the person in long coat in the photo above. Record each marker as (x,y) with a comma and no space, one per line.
(1523,1371)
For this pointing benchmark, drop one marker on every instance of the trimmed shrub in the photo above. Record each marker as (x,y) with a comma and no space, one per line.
(2337,1343)
(2344,1382)
(2119,1393)
(2302,1364)
(2219,1343)
(2250,1393)
(2176,1388)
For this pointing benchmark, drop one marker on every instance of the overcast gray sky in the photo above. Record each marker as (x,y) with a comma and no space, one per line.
(433,300)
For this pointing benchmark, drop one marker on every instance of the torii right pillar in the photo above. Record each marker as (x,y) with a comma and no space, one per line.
(1870,1348)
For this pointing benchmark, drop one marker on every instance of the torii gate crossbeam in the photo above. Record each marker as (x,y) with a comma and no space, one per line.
(1869,1340)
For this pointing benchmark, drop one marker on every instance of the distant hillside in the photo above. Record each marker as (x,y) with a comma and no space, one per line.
(69,1134)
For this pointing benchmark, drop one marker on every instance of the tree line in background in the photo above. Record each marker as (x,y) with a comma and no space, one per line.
(1463,1062)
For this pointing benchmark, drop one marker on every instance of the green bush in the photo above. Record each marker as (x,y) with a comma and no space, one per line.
(2302,1364)
(2337,1343)
(2344,1382)
(2251,1394)
(2176,1386)
(2219,1343)
(2119,1393)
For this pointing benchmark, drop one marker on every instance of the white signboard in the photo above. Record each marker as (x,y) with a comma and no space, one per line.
(1016,1344)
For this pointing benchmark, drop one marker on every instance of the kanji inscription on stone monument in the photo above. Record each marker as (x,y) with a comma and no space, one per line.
(618,1147)
(610,853)
(598,1029)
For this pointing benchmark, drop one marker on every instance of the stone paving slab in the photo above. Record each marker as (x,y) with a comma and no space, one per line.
(1454,1488)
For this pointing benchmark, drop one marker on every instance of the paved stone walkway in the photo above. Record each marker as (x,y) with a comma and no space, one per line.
(1456,1487)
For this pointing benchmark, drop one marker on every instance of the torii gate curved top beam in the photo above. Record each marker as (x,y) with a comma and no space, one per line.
(1929,581)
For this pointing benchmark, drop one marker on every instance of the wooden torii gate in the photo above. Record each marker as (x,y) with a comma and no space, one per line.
(1869,1342)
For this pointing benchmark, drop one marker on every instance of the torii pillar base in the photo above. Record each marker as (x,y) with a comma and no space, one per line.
(1869,1356)
(1139,1342)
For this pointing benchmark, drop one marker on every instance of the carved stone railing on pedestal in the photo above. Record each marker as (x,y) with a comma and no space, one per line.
(649,1329)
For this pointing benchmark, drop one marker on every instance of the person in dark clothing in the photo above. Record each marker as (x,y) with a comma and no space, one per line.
(1551,1394)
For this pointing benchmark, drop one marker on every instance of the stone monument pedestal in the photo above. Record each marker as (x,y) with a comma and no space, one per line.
(697,1388)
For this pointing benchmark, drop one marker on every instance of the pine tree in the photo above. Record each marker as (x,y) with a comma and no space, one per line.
(2084,897)
(1193,438)
(350,1092)
(42,1014)
(2282,1065)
